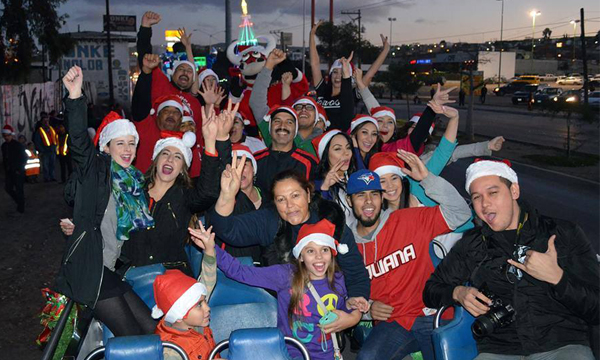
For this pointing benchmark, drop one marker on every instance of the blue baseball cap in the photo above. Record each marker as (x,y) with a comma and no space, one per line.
(363,180)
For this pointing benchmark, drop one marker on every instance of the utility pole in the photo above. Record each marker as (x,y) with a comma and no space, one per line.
(227,23)
(359,17)
(312,13)
(501,32)
(111,93)
(584,59)
(304,36)
(331,34)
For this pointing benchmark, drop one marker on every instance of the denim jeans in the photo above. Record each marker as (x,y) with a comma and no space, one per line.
(48,161)
(569,352)
(389,340)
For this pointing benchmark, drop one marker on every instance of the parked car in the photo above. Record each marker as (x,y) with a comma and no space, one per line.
(571,96)
(546,94)
(595,77)
(594,99)
(509,88)
(528,79)
(548,77)
(570,80)
(524,95)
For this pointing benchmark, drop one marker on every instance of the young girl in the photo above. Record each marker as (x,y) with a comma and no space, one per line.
(313,271)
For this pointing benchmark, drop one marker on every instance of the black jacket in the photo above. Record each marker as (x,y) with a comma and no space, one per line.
(14,157)
(80,274)
(547,316)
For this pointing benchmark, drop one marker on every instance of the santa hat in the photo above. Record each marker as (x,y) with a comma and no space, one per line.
(206,73)
(415,119)
(240,115)
(113,126)
(242,150)
(337,64)
(187,114)
(386,163)
(323,116)
(167,100)
(308,100)
(236,52)
(380,111)
(320,233)
(175,294)
(7,129)
(321,141)
(279,108)
(482,168)
(183,142)
(361,118)
(178,63)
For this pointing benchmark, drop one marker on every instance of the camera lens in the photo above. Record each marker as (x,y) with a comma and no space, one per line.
(482,326)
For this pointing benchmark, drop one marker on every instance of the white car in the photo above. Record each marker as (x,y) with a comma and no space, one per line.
(594,99)
(548,77)
(595,77)
(570,80)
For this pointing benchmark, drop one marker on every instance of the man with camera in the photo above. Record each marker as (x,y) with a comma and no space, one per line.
(531,281)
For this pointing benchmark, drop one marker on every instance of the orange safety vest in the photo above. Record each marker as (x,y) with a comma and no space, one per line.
(32,168)
(48,139)
(62,149)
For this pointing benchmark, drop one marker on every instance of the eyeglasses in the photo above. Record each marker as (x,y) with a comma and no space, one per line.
(307,107)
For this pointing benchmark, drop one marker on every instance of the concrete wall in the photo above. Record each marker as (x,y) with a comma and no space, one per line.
(489,64)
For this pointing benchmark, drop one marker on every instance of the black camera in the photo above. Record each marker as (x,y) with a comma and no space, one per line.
(499,316)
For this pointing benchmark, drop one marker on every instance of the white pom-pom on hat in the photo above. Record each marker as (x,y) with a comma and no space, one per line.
(189,139)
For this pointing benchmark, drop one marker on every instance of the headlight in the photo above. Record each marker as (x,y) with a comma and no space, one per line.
(571,99)
(555,98)
(497,89)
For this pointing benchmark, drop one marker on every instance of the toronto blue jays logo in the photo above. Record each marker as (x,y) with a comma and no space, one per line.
(367,178)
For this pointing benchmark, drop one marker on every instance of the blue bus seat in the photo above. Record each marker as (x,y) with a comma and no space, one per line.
(454,341)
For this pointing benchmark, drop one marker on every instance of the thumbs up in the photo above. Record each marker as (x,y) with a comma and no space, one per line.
(542,266)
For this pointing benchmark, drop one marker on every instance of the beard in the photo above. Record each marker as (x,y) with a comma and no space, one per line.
(366,222)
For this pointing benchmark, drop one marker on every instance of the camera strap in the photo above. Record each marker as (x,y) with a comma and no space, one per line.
(337,354)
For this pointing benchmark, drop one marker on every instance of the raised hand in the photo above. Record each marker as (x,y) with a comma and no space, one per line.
(358,76)
(496,143)
(441,97)
(231,177)
(275,58)
(471,299)
(447,111)
(346,67)
(225,121)
(313,30)
(204,238)
(286,78)
(332,176)
(384,40)
(73,81)
(185,38)
(150,18)
(150,62)
(542,266)
(209,128)
(418,171)
(212,94)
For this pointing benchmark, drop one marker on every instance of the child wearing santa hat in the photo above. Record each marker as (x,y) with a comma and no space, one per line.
(313,275)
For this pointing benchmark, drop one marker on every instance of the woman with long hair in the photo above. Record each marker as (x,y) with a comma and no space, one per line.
(364,131)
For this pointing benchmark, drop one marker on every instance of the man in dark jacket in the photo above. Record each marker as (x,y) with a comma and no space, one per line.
(14,159)
(543,268)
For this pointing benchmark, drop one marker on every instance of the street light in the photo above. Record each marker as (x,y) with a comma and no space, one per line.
(533,14)
(501,31)
(574,22)
(391,20)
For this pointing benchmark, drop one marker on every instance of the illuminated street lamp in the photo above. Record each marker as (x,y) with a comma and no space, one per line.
(574,23)
(391,20)
(533,14)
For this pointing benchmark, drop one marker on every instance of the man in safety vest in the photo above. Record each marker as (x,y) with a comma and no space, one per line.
(45,140)
(63,153)
(14,159)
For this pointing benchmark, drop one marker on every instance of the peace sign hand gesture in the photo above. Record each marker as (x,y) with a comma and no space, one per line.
(204,238)
(231,177)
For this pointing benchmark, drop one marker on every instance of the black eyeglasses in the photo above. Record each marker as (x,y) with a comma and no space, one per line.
(301,107)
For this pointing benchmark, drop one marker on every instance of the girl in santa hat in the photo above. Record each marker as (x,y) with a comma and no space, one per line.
(303,286)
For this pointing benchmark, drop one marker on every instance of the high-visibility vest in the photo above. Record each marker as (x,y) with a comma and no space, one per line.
(32,167)
(48,138)
(62,148)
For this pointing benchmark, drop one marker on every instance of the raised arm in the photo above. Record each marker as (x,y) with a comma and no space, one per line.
(421,131)
(186,40)
(366,94)
(144,36)
(258,96)
(141,102)
(315,61)
(346,97)
(378,62)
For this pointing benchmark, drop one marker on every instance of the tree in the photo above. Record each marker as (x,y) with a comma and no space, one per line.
(23,22)
(344,39)
(400,80)
(547,32)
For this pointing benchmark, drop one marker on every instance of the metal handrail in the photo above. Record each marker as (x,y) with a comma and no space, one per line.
(57,332)
(166,344)
(225,343)
(438,316)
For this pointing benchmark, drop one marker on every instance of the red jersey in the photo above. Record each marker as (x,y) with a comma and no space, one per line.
(398,261)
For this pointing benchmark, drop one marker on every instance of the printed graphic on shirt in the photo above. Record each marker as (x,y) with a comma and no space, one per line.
(306,329)
(391,261)
(329,104)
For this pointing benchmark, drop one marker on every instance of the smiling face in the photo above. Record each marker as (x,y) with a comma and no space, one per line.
(340,150)
(247,180)
(366,137)
(306,115)
(317,259)
(283,128)
(387,126)
(122,150)
(169,118)
(169,164)
(292,201)
(336,77)
(183,76)
(366,206)
(495,203)
(199,315)
(392,187)
(237,131)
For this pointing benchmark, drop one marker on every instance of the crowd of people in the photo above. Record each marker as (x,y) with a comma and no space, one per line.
(329,204)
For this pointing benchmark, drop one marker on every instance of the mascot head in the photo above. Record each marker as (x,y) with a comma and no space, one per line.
(251,59)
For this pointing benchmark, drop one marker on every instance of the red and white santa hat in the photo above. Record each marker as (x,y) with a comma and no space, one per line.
(323,116)
(384,163)
(206,73)
(337,64)
(362,118)
(167,100)
(187,114)
(7,129)
(308,100)
(482,168)
(320,233)
(281,108)
(243,118)
(321,141)
(175,294)
(242,150)
(415,119)
(178,63)
(380,111)
(114,126)
(183,142)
